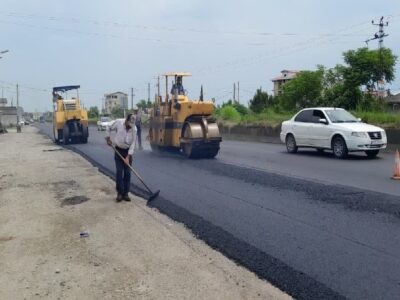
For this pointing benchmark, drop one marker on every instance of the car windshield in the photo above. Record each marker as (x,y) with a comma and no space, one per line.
(105,119)
(340,116)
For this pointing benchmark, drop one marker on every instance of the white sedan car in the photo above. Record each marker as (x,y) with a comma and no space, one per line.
(332,128)
(103,123)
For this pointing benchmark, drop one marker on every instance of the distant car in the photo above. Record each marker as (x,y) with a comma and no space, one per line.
(333,129)
(103,123)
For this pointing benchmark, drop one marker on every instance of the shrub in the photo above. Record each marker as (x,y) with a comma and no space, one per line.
(229,113)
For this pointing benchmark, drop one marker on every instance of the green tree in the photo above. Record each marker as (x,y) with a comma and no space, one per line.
(117,112)
(93,112)
(367,67)
(240,108)
(342,84)
(259,102)
(304,90)
(143,104)
(201,94)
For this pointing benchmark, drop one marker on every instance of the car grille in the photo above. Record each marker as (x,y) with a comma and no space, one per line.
(375,135)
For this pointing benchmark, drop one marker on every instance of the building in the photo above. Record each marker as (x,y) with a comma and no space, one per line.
(8,116)
(394,100)
(3,102)
(279,81)
(115,99)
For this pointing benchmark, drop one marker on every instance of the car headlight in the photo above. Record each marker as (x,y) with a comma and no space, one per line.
(360,134)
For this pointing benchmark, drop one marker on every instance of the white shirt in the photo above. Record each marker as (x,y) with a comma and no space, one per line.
(123,138)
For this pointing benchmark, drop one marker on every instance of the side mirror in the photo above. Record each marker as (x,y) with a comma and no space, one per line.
(323,121)
(359,119)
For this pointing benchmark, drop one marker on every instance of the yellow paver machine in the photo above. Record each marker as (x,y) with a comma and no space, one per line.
(177,123)
(70,120)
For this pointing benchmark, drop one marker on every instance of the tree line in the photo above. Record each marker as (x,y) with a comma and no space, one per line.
(353,85)
(118,111)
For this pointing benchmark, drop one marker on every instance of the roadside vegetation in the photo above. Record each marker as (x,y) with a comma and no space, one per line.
(117,111)
(353,86)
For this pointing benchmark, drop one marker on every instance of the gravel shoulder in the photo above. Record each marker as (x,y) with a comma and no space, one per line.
(49,195)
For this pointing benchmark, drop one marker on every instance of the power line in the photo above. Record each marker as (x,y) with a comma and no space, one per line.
(146,27)
(278,52)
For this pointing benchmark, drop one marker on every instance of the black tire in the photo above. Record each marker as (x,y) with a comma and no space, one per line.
(85,134)
(372,153)
(339,147)
(291,145)
(65,134)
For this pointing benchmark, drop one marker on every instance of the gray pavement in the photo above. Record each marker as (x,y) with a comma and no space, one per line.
(314,226)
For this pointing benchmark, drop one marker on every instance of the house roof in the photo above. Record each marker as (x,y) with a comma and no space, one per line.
(286,74)
(120,93)
(177,74)
(394,98)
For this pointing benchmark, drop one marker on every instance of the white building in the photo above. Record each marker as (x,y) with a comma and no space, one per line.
(115,99)
(8,115)
(279,81)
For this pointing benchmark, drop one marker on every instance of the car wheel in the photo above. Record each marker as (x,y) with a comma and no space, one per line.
(372,153)
(291,145)
(339,147)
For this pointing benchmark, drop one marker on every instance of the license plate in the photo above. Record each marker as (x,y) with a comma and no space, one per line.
(378,142)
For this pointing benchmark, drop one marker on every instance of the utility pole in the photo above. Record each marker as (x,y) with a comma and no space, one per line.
(17,102)
(18,125)
(132,98)
(158,86)
(380,35)
(238,97)
(148,92)
(234,92)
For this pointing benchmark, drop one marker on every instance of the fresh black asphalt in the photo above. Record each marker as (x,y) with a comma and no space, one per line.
(311,239)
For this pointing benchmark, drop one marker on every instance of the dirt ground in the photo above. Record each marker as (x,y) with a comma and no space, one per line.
(49,195)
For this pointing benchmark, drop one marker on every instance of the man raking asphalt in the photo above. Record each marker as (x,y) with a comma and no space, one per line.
(125,141)
(152,195)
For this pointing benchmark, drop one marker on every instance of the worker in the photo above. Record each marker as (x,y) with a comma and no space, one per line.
(56,96)
(124,140)
(138,123)
(177,87)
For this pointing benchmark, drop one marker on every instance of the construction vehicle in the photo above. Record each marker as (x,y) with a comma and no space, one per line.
(70,120)
(177,123)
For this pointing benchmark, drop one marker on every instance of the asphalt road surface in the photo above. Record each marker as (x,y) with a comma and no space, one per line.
(314,226)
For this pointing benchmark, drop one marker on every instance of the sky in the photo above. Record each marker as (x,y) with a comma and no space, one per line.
(108,46)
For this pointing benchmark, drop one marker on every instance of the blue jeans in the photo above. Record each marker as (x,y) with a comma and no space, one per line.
(123,176)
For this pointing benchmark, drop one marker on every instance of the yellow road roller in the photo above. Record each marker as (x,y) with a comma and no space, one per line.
(70,120)
(177,123)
